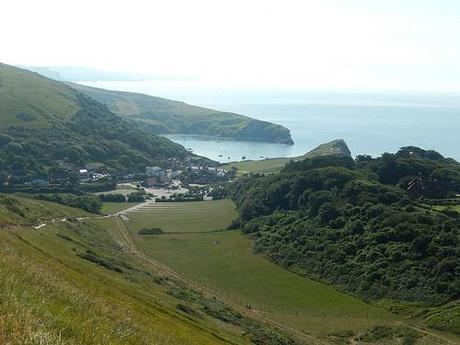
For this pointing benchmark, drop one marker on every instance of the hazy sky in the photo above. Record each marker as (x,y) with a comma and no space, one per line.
(305,44)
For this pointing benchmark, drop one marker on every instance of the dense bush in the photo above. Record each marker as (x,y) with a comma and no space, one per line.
(112,197)
(94,134)
(150,231)
(87,202)
(336,220)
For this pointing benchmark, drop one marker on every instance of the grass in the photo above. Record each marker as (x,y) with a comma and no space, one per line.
(72,283)
(16,211)
(45,100)
(265,166)
(78,282)
(197,216)
(225,262)
(114,207)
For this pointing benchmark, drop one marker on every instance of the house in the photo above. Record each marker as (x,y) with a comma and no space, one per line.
(416,188)
(154,171)
(419,189)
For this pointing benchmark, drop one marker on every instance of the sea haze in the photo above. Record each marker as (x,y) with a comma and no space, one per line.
(369,123)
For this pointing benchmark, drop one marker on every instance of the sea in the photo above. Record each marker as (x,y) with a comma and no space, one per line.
(370,123)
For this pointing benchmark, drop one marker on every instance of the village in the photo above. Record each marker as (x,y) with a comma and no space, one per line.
(187,181)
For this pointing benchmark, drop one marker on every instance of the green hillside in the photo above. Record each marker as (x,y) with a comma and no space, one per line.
(164,116)
(49,129)
(336,148)
(29,99)
(79,281)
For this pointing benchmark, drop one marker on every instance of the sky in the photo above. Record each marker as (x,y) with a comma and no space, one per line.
(340,45)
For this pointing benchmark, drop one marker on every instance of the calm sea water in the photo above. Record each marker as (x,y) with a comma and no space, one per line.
(369,123)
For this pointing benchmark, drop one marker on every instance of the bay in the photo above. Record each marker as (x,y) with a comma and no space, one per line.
(370,123)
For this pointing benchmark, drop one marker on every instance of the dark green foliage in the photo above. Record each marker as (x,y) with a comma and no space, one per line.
(187,309)
(411,162)
(94,258)
(335,219)
(112,197)
(87,202)
(150,231)
(136,197)
(407,336)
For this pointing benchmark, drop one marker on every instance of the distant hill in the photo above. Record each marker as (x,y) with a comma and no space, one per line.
(47,128)
(335,148)
(164,116)
(73,73)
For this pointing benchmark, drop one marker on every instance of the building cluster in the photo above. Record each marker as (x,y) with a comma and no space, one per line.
(158,177)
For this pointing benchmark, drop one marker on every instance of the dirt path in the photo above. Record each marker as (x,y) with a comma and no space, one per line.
(123,234)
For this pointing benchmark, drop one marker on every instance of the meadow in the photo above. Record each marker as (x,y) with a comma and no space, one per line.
(225,263)
(264,166)
(197,216)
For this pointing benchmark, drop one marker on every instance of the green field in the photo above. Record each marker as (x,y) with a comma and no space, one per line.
(197,216)
(114,207)
(224,262)
(265,166)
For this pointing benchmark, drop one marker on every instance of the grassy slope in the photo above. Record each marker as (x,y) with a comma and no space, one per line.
(164,116)
(42,102)
(224,262)
(15,211)
(274,165)
(265,166)
(56,126)
(50,295)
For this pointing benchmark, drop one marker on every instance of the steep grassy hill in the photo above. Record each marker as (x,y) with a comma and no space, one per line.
(164,116)
(48,128)
(80,282)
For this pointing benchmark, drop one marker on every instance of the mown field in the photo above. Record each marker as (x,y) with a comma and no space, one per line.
(114,207)
(196,216)
(225,263)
